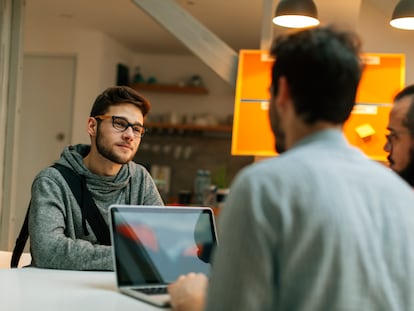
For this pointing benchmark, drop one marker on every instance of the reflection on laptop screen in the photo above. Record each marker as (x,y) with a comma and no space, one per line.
(155,247)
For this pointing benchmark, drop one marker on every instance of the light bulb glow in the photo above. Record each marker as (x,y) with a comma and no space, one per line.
(403,23)
(295,21)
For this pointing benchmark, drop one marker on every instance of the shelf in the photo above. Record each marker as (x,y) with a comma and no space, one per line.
(189,127)
(170,88)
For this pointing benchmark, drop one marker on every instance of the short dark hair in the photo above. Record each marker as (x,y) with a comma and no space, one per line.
(323,68)
(116,95)
(408,121)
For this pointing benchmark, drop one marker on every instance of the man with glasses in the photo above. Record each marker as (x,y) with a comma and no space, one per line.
(60,236)
(400,140)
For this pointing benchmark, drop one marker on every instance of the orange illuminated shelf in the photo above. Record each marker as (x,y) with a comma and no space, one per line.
(170,88)
(383,76)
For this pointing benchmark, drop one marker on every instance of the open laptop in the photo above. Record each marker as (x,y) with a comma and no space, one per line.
(153,245)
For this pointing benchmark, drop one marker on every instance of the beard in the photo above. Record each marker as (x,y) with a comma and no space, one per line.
(280,145)
(408,172)
(280,136)
(107,152)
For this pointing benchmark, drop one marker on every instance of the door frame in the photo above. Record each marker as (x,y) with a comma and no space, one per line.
(11,58)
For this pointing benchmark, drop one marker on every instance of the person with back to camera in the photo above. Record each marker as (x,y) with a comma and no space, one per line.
(60,236)
(400,140)
(321,226)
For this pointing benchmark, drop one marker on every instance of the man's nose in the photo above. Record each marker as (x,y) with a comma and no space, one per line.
(129,132)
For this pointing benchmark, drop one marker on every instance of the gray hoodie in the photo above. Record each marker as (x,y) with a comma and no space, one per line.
(57,238)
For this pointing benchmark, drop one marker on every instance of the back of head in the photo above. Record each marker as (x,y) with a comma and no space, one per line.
(322,67)
(119,95)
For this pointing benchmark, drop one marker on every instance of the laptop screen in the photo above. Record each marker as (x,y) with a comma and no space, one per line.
(155,245)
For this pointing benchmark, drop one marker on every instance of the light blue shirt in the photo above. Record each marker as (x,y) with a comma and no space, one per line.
(321,227)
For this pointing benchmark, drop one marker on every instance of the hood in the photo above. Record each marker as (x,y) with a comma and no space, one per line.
(72,156)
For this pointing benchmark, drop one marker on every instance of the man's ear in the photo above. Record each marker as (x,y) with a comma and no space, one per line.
(283,94)
(92,126)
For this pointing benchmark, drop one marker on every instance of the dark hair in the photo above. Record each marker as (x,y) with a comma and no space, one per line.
(408,121)
(116,95)
(323,69)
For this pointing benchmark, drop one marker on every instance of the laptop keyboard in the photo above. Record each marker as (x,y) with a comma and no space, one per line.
(152,290)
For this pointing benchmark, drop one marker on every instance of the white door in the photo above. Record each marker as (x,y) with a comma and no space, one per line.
(46,119)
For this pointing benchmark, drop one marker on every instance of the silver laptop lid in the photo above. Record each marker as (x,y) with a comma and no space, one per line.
(153,245)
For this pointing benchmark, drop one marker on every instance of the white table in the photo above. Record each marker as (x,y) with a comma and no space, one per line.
(33,289)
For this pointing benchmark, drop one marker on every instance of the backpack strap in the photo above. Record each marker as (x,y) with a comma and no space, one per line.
(85,201)
(20,241)
(74,182)
(88,208)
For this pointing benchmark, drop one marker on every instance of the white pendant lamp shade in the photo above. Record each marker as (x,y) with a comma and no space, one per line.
(296,14)
(403,15)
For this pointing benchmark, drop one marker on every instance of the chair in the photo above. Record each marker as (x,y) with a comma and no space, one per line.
(5,258)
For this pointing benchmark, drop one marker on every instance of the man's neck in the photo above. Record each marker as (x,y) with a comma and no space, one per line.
(100,165)
(300,130)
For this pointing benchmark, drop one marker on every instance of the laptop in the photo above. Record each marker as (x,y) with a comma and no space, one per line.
(154,245)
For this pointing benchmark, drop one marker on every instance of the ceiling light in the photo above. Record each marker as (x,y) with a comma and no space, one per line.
(403,15)
(296,14)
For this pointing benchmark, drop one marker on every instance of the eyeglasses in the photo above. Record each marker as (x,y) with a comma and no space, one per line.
(394,136)
(121,124)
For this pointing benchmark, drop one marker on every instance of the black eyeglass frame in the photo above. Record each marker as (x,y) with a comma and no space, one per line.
(137,128)
(394,135)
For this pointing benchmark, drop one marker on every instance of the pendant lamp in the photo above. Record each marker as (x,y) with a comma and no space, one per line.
(296,14)
(403,15)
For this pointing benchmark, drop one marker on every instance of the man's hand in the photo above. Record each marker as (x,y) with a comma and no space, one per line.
(188,292)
